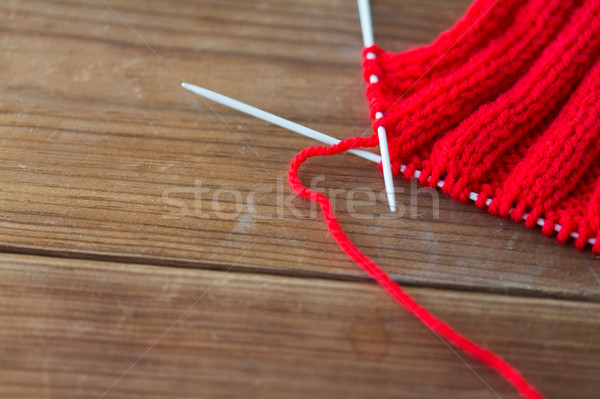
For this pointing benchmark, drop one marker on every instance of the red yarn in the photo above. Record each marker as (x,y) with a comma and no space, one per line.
(508,372)
(505,105)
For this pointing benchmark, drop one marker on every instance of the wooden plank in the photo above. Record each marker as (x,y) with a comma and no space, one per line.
(95,131)
(71,328)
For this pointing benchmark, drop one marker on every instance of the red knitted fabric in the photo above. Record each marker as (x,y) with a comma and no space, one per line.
(510,115)
(502,109)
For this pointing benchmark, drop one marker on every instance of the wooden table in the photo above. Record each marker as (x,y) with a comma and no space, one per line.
(108,289)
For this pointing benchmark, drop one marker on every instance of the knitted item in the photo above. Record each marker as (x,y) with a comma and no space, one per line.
(502,109)
(483,122)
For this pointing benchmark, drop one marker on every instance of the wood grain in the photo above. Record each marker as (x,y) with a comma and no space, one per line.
(71,328)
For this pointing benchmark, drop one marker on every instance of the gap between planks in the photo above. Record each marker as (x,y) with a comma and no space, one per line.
(285,272)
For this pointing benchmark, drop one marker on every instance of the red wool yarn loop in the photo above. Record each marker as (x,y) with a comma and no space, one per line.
(440,328)
(505,104)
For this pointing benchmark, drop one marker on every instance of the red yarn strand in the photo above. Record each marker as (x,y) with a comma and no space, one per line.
(507,371)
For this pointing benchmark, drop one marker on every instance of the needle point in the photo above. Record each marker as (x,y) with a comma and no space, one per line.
(274,119)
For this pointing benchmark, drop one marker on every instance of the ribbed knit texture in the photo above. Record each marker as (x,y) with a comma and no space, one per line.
(509,111)
(503,109)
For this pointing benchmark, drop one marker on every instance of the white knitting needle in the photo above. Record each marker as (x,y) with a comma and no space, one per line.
(274,119)
(364,12)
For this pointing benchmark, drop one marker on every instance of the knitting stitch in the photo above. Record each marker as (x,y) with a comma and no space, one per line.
(502,109)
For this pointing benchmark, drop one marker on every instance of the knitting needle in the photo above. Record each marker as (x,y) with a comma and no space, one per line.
(364,12)
(274,119)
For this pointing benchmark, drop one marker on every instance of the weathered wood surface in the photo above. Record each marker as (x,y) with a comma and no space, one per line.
(96,134)
(72,328)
